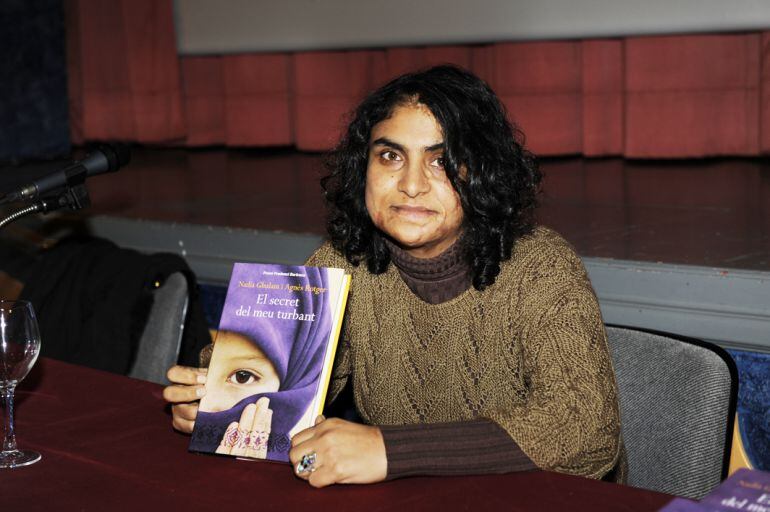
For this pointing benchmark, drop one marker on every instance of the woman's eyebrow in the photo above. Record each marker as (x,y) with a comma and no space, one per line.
(434,147)
(384,141)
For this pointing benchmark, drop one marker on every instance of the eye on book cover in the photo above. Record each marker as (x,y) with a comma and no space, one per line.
(272,358)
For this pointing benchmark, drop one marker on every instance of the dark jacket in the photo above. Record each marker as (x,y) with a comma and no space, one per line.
(92,300)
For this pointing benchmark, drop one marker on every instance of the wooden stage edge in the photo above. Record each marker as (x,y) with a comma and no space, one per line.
(725,306)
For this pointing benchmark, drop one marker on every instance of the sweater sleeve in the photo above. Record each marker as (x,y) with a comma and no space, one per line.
(570,420)
(473,447)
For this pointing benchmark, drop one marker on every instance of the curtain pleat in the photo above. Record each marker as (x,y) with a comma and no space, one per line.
(602,97)
(204,100)
(765,93)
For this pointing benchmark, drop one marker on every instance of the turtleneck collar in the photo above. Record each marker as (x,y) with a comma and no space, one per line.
(434,280)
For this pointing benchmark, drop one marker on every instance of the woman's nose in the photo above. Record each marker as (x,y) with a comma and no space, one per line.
(414,180)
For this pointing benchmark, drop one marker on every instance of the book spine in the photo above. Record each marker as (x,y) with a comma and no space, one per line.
(339,312)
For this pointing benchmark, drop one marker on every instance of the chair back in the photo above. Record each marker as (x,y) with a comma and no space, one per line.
(162,336)
(677,404)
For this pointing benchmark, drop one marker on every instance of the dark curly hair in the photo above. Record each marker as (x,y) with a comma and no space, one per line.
(498,190)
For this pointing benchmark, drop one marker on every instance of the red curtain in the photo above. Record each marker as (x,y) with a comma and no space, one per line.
(692,96)
(123,71)
(540,85)
(644,97)
(204,100)
(326,86)
(764,116)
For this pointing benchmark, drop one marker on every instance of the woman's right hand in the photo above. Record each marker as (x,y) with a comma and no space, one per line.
(187,387)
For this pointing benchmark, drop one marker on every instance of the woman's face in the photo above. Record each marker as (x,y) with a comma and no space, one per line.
(240,370)
(408,195)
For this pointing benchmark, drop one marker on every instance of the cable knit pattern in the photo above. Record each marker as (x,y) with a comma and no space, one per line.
(529,353)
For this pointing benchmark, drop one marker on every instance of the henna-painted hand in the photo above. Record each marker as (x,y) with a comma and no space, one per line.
(248,437)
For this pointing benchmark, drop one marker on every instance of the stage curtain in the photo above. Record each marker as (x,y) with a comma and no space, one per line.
(403,60)
(676,96)
(204,100)
(257,100)
(124,80)
(602,97)
(327,86)
(540,85)
(692,96)
(237,100)
(765,94)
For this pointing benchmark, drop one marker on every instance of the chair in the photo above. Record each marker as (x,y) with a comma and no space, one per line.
(161,339)
(677,404)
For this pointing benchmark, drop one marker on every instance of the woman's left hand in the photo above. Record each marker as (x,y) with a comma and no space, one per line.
(345,453)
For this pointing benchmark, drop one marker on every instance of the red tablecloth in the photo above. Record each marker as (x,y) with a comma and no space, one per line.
(107,444)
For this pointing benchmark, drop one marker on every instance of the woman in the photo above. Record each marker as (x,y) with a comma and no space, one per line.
(473,339)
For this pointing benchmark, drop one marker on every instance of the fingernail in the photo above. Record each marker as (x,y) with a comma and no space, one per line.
(201,379)
(264,401)
(200,392)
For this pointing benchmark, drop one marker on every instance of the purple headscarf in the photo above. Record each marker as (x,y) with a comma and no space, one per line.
(296,349)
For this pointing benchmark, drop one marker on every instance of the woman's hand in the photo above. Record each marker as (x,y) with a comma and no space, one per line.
(184,392)
(248,437)
(345,453)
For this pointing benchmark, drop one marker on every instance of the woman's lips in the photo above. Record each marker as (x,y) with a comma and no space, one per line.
(410,211)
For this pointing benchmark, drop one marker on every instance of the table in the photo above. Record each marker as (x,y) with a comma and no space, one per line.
(107,444)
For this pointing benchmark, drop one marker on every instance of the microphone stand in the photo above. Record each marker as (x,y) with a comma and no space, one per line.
(73,197)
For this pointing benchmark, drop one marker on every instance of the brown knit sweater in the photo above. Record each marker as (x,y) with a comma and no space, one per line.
(477,446)
(528,353)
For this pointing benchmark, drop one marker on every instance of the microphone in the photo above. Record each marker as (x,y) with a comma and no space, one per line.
(104,158)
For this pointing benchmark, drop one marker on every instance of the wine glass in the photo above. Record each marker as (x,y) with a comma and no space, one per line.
(19,347)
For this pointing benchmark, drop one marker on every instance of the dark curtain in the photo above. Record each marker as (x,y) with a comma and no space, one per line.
(33,87)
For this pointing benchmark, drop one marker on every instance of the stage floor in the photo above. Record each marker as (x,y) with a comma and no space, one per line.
(713,213)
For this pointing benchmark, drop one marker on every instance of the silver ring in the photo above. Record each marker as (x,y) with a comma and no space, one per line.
(306,464)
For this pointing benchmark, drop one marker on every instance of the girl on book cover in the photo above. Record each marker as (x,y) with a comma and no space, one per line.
(265,367)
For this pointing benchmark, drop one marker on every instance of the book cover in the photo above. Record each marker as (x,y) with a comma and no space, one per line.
(682,505)
(746,489)
(272,358)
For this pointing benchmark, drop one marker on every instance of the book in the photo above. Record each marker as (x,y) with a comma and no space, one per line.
(272,358)
(682,505)
(746,489)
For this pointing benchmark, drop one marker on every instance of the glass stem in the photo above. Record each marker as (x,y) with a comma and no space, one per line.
(9,441)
